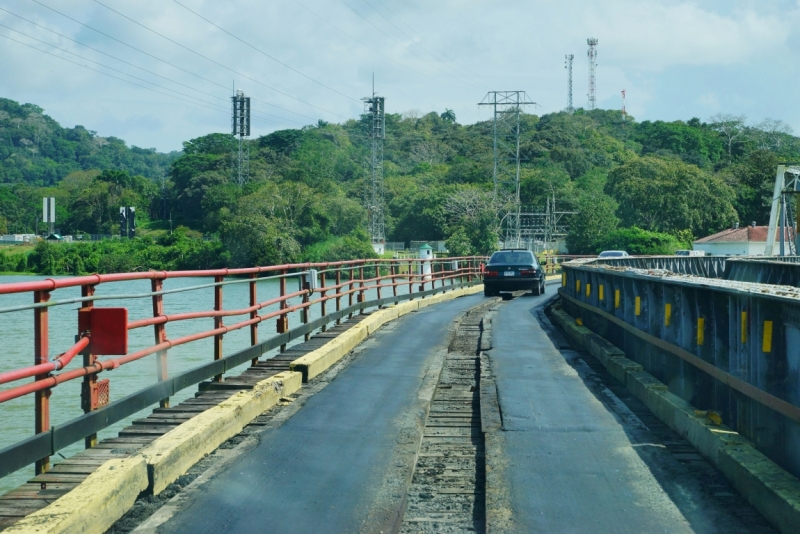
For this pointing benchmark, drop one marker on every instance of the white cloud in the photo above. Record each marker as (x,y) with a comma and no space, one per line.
(651,48)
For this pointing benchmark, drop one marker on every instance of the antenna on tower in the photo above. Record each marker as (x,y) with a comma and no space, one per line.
(240,126)
(374,108)
(568,65)
(624,113)
(592,53)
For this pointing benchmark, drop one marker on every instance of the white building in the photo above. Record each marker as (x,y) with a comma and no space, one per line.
(738,241)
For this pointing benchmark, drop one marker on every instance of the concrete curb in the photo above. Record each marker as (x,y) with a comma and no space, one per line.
(171,455)
(773,491)
(318,361)
(94,505)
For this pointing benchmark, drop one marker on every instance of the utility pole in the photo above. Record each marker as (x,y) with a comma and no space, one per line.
(240,120)
(592,53)
(374,107)
(568,65)
(507,106)
(49,213)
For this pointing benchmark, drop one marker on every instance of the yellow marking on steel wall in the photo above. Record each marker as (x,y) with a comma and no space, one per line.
(667,314)
(616,298)
(577,287)
(600,292)
(701,330)
(638,308)
(588,290)
(744,327)
(766,344)
(563,279)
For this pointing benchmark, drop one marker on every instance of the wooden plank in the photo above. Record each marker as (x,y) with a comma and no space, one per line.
(145,430)
(58,478)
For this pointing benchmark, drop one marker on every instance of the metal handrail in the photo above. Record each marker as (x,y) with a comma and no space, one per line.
(438,272)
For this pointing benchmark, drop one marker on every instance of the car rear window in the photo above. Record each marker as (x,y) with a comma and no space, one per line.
(522,256)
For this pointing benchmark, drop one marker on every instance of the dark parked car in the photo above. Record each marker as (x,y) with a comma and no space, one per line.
(513,270)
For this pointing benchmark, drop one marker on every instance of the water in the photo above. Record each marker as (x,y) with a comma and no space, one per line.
(17,415)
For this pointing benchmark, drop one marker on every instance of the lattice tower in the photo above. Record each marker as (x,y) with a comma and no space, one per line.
(507,106)
(568,65)
(592,53)
(240,128)
(374,193)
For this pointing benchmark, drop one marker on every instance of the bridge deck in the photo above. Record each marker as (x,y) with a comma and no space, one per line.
(343,462)
(582,455)
(43,489)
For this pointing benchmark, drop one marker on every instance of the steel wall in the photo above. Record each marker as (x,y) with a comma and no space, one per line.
(732,335)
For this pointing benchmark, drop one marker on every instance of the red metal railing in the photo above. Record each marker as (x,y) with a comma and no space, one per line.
(362,276)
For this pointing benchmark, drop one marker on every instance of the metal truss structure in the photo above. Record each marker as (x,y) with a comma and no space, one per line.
(240,128)
(782,211)
(592,54)
(507,106)
(568,65)
(374,193)
(542,230)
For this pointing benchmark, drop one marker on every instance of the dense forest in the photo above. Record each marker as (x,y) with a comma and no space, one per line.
(647,186)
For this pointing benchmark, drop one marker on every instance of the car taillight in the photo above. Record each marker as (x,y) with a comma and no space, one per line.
(527,271)
(489,273)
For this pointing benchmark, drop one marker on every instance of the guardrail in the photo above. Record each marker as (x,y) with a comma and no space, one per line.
(103,331)
(726,346)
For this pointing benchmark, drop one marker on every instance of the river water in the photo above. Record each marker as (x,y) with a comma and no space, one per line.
(17,415)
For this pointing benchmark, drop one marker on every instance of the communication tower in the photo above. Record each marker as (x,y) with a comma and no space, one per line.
(624,113)
(374,108)
(507,106)
(568,65)
(240,128)
(592,53)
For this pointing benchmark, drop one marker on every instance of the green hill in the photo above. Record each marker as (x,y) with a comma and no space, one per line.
(304,197)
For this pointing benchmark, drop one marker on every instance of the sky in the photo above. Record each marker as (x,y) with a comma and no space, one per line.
(159,72)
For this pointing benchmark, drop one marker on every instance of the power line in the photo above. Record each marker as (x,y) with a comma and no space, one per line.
(198,54)
(361,42)
(412,40)
(262,52)
(115,77)
(389,36)
(162,60)
(465,69)
(136,66)
(135,77)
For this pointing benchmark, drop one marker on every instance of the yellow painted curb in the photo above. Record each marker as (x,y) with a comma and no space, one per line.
(318,361)
(172,454)
(94,505)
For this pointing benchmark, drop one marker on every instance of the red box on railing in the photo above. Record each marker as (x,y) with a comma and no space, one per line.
(107,328)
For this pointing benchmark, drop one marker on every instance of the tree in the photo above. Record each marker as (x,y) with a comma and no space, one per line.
(449,116)
(640,242)
(669,195)
(770,134)
(731,127)
(595,218)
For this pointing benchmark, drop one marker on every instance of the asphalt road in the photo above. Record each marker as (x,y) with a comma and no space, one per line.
(577,459)
(329,468)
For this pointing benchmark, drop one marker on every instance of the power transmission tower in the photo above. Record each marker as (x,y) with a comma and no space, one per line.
(568,65)
(376,226)
(592,53)
(240,128)
(507,106)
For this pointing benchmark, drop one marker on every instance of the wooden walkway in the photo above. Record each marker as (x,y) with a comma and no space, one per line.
(43,489)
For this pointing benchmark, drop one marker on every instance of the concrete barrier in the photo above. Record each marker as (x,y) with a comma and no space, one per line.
(318,361)
(94,505)
(772,490)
